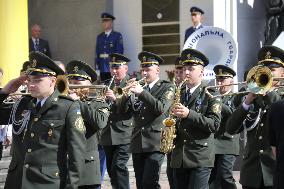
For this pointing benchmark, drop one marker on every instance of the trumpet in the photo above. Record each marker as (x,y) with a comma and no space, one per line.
(83,91)
(125,90)
(259,81)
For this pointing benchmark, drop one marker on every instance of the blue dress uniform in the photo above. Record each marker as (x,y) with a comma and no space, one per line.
(226,145)
(40,45)
(115,138)
(149,110)
(52,135)
(105,45)
(193,155)
(258,158)
(192,29)
(95,113)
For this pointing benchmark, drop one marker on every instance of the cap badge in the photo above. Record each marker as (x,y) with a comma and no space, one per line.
(76,69)
(144,59)
(220,71)
(33,63)
(188,56)
(268,55)
(113,59)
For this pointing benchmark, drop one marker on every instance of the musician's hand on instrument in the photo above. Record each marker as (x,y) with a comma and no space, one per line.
(249,98)
(180,110)
(136,89)
(73,95)
(110,95)
(13,85)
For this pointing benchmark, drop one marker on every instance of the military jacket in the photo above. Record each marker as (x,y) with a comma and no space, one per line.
(224,142)
(190,31)
(95,114)
(54,142)
(149,109)
(120,126)
(106,45)
(15,169)
(257,159)
(195,134)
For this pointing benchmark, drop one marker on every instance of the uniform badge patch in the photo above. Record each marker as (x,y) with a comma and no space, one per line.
(169,95)
(104,110)
(79,124)
(217,108)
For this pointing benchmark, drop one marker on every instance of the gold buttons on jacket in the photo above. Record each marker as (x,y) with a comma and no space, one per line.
(142,118)
(29,150)
(184,141)
(27,166)
(261,124)
(260,137)
(35,119)
(56,174)
(32,135)
(261,151)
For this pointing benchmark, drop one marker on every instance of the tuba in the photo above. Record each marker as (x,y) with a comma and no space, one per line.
(168,134)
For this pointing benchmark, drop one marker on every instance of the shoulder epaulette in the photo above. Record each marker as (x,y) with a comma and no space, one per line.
(66,97)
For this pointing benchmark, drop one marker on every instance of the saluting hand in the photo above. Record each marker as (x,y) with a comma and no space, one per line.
(13,85)
(180,110)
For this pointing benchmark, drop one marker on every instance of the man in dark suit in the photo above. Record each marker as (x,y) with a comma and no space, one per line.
(38,44)
(115,138)
(196,17)
(226,145)
(149,106)
(95,113)
(251,117)
(108,42)
(50,129)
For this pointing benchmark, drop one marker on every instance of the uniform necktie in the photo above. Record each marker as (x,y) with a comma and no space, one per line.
(38,106)
(36,45)
(186,95)
(147,88)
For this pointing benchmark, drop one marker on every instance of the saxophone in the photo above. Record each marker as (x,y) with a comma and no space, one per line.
(168,134)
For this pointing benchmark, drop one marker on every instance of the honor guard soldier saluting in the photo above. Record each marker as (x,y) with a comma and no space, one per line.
(115,138)
(200,115)
(51,127)
(108,42)
(95,114)
(251,116)
(226,145)
(149,105)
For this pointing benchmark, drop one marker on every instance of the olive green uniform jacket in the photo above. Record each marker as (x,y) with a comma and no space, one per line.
(195,134)
(149,111)
(224,142)
(55,144)
(258,161)
(95,114)
(15,169)
(119,126)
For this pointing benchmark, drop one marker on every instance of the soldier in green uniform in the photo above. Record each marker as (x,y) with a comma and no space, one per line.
(178,78)
(95,112)
(200,115)
(51,128)
(115,138)
(251,116)
(226,145)
(149,106)
(17,150)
